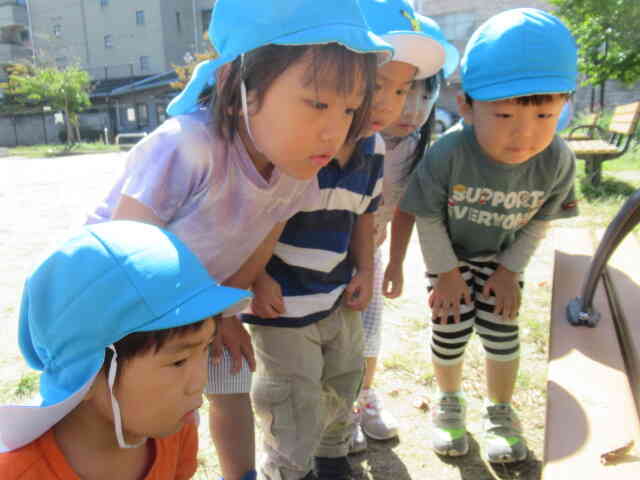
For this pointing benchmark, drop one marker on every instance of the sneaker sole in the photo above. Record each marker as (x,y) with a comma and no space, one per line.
(508,459)
(451,453)
(389,437)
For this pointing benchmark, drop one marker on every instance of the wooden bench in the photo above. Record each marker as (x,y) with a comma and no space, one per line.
(614,142)
(593,386)
(590,125)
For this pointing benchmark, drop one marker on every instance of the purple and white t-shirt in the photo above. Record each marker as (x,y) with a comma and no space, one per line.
(207,191)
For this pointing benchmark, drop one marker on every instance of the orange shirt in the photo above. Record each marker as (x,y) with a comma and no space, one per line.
(42,459)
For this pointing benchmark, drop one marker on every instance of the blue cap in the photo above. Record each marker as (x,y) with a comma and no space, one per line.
(238,27)
(397,23)
(107,281)
(451,54)
(519,52)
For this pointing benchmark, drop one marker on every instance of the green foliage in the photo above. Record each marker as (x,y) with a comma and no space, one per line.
(608,37)
(27,385)
(63,90)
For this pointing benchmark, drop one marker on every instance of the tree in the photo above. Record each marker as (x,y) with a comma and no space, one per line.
(63,90)
(184,72)
(608,36)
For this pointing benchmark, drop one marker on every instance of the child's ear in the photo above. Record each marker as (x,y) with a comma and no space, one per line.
(464,108)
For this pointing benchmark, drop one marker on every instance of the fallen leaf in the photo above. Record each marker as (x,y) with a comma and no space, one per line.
(617,454)
(394,393)
(421,404)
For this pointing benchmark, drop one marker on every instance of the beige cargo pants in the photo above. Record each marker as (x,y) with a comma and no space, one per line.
(303,392)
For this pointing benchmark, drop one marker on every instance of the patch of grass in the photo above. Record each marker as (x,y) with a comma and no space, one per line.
(27,385)
(40,151)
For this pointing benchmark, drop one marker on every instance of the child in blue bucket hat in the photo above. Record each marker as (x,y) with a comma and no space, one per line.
(118,320)
(306,320)
(406,140)
(483,199)
(293,79)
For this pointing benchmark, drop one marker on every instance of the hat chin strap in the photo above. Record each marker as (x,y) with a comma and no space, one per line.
(245,107)
(117,417)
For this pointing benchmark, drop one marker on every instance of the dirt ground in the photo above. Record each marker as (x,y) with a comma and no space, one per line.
(41,199)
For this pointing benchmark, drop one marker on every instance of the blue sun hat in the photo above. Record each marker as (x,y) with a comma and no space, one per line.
(451,54)
(397,23)
(107,281)
(237,27)
(518,52)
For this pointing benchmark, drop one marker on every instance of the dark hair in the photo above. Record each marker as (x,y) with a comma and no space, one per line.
(139,343)
(262,66)
(526,99)
(426,131)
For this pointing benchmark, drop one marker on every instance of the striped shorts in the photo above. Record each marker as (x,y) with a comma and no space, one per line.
(372,316)
(500,338)
(221,381)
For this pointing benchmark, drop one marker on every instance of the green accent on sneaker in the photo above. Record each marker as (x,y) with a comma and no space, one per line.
(511,441)
(454,433)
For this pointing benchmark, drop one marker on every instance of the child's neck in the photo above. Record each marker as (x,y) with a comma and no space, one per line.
(89,444)
(262,163)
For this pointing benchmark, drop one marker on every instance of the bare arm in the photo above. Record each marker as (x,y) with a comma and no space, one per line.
(401,228)
(358,292)
(129,208)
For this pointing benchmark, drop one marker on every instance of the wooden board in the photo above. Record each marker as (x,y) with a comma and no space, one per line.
(590,409)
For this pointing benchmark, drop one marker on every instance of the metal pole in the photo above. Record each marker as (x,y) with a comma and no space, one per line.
(31,37)
(195,27)
(580,310)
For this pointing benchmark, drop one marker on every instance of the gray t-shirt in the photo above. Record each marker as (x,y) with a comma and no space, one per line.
(485,204)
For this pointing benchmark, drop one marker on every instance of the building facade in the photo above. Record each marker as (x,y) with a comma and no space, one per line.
(14,33)
(458,20)
(117,38)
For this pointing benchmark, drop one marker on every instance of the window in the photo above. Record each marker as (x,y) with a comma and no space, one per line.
(108,41)
(161,112)
(178,22)
(130,114)
(142,113)
(206,19)
(57,30)
(104,3)
(140,17)
(144,63)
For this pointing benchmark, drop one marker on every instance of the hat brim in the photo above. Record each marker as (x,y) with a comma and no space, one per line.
(22,424)
(209,302)
(422,51)
(351,37)
(452,59)
(520,88)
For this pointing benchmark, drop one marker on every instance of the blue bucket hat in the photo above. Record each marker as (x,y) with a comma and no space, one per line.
(237,27)
(397,23)
(451,54)
(107,281)
(519,52)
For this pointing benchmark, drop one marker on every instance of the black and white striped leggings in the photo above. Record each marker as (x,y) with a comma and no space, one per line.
(499,337)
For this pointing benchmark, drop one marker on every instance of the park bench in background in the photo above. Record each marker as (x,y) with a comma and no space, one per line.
(593,386)
(127,140)
(613,142)
(589,124)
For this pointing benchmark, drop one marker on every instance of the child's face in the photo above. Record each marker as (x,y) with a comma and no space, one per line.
(393,84)
(160,391)
(300,126)
(512,133)
(415,113)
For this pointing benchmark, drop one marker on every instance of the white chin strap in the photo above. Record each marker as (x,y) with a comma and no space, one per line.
(245,108)
(117,418)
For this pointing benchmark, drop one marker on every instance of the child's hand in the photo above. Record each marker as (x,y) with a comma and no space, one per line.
(446,295)
(393,281)
(358,293)
(232,335)
(505,285)
(267,297)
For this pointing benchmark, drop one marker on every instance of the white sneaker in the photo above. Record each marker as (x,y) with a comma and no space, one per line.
(376,422)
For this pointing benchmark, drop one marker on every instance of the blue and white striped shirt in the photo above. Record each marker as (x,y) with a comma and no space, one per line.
(311,261)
